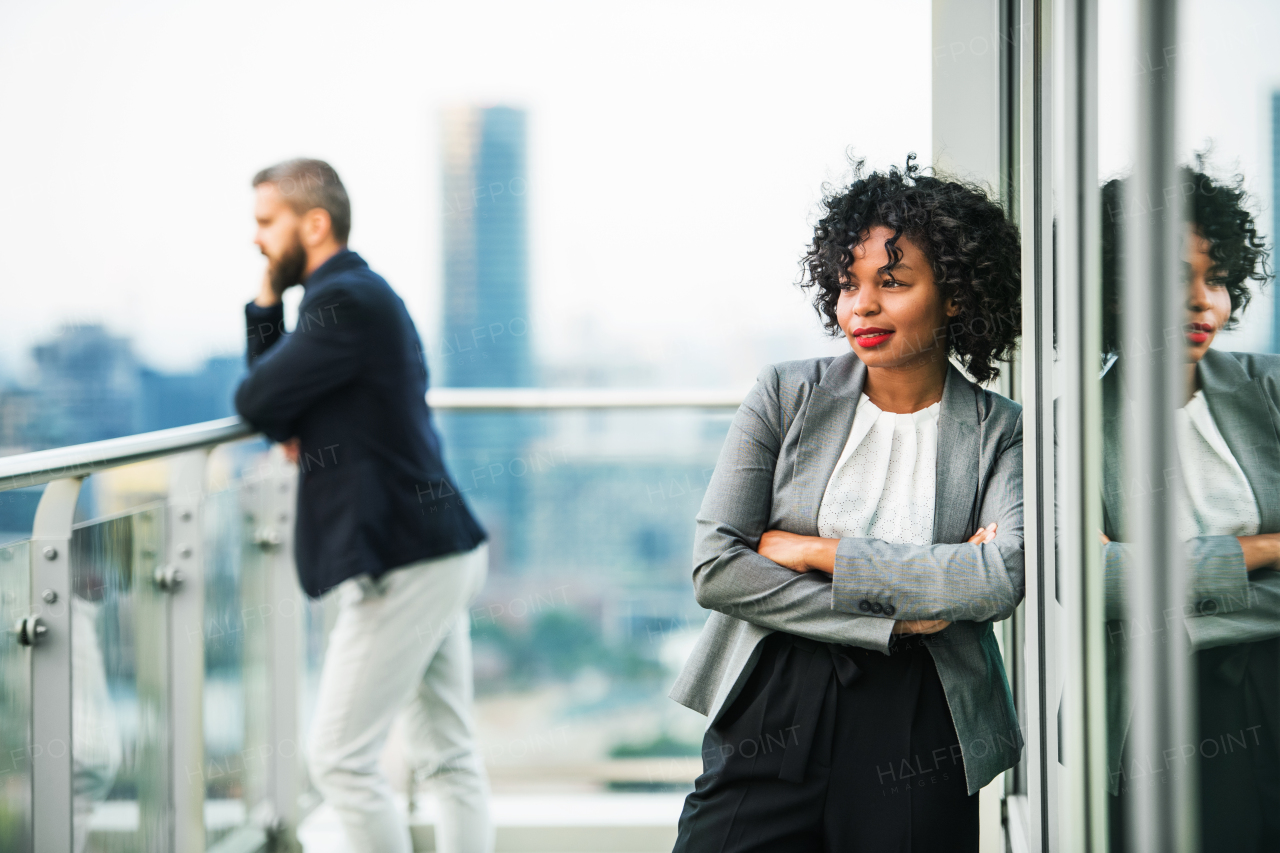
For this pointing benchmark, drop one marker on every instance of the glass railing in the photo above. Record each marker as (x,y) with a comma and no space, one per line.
(161,662)
(588,608)
(119,709)
(15,702)
(239,545)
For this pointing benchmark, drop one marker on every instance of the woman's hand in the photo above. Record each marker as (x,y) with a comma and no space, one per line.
(985,534)
(799,553)
(1261,551)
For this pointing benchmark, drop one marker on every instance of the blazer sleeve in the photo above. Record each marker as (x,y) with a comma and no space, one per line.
(264,326)
(1218,581)
(321,355)
(955,582)
(729,575)
(1259,621)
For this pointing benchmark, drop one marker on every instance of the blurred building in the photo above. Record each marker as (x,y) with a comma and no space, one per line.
(88,387)
(485,332)
(177,399)
(547,486)
(484,340)
(17,420)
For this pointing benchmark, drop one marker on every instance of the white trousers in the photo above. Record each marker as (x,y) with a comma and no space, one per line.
(402,646)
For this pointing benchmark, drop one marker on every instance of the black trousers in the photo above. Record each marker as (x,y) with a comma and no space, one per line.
(833,748)
(1237,754)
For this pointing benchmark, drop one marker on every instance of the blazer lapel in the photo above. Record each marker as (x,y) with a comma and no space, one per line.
(1241,413)
(823,433)
(829,417)
(959,454)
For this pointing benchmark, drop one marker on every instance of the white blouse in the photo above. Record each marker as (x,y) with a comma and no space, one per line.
(883,485)
(1215,498)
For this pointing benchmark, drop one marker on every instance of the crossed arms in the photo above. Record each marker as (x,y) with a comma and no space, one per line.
(815,587)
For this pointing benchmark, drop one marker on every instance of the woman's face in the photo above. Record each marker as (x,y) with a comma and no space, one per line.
(892,319)
(1208,303)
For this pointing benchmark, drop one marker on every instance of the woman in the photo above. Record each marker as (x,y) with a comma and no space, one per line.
(860,533)
(1228,502)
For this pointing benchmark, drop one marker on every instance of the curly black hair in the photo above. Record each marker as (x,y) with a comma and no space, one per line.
(972,248)
(1219,212)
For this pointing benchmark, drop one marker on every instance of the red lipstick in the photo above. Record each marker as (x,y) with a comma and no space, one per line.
(871,336)
(1198,333)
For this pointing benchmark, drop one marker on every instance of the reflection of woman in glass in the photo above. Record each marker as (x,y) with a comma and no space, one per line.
(101,580)
(1228,437)
(860,534)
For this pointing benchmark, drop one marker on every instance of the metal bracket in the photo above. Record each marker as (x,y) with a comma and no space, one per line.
(267,538)
(30,629)
(169,578)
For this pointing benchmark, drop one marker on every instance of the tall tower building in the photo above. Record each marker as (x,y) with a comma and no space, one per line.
(485,334)
(485,331)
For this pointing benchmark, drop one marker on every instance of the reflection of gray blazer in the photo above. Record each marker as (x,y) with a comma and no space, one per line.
(780,452)
(1226,604)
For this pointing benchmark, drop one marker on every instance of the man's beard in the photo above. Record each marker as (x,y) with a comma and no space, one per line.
(287,271)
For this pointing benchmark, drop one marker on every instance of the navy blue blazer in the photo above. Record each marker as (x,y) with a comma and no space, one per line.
(350,383)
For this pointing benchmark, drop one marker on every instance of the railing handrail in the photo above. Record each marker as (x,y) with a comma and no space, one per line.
(80,460)
(478,399)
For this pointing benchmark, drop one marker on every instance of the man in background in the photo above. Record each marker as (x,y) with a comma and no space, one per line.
(378,516)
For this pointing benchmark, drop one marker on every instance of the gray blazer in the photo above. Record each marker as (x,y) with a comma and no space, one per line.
(1226,604)
(781,450)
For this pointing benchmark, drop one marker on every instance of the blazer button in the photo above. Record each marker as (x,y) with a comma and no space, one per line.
(889,610)
(864,606)
(876,608)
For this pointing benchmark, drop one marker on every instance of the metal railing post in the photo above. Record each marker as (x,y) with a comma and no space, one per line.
(184,577)
(284,652)
(50,751)
(274,613)
(152,655)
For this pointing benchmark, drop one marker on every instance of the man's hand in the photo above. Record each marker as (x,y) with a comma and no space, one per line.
(919,626)
(290,449)
(267,295)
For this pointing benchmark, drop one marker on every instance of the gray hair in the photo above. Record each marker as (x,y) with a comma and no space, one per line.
(307,184)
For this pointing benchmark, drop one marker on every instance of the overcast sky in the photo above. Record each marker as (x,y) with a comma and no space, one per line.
(676,153)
